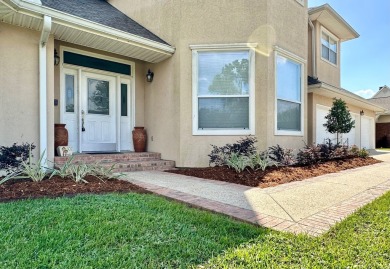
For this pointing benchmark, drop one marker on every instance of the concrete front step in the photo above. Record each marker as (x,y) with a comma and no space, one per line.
(124,162)
(110,158)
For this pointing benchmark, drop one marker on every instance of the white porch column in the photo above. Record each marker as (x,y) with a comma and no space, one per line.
(43,87)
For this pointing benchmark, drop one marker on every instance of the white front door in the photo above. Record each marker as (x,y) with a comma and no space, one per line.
(98,113)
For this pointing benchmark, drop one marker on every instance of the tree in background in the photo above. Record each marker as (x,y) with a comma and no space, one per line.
(339,120)
(233,78)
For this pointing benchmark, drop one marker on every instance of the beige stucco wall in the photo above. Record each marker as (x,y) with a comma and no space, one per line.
(19,90)
(316,99)
(326,71)
(19,85)
(184,23)
(383,119)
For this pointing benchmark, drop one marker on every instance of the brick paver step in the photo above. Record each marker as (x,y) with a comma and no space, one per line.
(110,158)
(131,166)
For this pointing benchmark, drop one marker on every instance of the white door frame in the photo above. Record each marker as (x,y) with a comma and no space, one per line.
(120,78)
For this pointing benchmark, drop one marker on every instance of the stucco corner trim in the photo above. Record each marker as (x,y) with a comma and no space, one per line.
(229,46)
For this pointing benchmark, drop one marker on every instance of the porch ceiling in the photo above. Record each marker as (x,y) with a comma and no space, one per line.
(85,33)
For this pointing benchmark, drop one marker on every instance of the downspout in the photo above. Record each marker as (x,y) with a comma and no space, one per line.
(313,49)
(46,28)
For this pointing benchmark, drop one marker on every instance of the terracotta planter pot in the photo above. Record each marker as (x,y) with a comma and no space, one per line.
(139,139)
(60,136)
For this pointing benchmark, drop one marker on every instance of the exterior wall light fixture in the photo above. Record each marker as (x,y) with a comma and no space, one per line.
(56,58)
(149,76)
(361,113)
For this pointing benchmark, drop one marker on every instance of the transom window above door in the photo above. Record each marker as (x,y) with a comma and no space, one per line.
(223,91)
(96,63)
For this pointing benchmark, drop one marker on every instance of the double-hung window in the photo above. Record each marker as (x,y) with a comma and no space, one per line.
(289,95)
(329,48)
(223,90)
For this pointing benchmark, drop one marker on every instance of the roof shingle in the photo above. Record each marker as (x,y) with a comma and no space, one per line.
(101,12)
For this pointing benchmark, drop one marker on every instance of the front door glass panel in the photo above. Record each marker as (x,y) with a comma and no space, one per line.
(69,93)
(98,97)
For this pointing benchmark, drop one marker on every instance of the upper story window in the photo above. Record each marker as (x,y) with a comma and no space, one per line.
(223,90)
(329,48)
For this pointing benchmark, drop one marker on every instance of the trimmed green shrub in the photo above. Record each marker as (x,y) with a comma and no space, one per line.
(243,147)
(309,155)
(283,156)
(12,157)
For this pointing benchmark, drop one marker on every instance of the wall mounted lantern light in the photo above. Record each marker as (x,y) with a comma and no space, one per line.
(149,76)
(56,58)
(361,113)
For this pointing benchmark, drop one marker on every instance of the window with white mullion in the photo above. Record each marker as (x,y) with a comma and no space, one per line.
(222,90)
(289,100)
(289,90)
(218,96)
(329,48)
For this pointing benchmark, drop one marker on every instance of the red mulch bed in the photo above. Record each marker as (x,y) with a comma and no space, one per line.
(275,175)
(58,187)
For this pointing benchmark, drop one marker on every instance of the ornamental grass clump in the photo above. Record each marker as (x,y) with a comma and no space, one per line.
(78,172)
(238,162)
(261,161)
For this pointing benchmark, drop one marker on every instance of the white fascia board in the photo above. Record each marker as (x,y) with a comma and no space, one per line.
(99,29)
(38,2)
(336,15)
(359,101)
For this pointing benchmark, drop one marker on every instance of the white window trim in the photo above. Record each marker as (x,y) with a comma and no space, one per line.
(326,31)
(223,47)
(301,61)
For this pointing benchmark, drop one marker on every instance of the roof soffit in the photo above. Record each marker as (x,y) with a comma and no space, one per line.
(332,21)
(74,30)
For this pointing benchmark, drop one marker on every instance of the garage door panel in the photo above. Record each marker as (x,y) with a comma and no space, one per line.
(321,133)
(367,126)
(350,137)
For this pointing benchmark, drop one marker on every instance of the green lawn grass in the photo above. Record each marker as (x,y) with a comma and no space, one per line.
(145,231)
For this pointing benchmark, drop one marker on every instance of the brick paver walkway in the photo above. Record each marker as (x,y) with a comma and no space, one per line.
(310,206)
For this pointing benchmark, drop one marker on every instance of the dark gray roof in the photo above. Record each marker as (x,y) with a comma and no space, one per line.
(101,12)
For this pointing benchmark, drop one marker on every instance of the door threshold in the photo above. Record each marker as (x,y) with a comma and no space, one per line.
(101,152)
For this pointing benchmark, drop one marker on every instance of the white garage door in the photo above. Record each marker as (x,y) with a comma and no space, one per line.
(322,134)
(351,136)
(367,132)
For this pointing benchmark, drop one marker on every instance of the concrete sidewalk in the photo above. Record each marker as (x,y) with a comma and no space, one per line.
(309,206)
